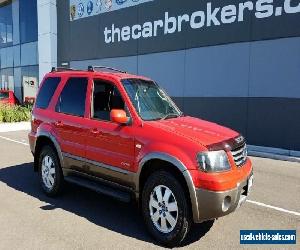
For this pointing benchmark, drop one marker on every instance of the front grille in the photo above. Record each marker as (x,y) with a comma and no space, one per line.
(240,155)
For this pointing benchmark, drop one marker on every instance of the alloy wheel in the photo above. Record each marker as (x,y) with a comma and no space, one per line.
(163,209)
(48,172)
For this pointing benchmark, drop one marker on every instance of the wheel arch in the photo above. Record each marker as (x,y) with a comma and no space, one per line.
(156,161)
(45,138)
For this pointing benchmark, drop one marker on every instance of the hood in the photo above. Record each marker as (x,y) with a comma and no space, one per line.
(201,131)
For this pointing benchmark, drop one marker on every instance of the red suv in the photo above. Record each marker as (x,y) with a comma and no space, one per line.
(121,135)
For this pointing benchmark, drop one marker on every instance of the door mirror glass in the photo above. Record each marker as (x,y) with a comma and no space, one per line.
(119,116)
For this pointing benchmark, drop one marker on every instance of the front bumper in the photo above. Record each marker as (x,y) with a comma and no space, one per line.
(212,204)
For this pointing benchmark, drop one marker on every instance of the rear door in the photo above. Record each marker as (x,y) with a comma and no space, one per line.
(70,121)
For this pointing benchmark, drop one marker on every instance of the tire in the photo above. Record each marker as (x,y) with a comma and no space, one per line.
(50,173)
(173,232)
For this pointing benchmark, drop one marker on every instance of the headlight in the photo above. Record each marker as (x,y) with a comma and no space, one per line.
(213,161)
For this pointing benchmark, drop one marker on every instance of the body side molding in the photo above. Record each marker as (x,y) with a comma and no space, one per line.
(99,164)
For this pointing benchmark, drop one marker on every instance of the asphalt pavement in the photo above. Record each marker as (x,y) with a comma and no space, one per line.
(82,219)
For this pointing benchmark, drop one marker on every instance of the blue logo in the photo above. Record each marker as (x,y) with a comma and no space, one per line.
(98,6)
(89,7)
(268,237)
(120,2)
(80,9)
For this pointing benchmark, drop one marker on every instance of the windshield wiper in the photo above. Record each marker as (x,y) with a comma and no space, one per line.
(170,115)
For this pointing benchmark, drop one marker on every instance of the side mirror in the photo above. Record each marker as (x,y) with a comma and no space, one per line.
(118,116)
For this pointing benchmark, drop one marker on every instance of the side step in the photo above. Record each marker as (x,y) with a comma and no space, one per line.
(99,188)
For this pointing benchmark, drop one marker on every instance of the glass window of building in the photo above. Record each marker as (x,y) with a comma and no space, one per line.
(7,78)
(18,47)
(28,21)
(6,26)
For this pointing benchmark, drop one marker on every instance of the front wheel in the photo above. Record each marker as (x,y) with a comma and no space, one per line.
(165,209)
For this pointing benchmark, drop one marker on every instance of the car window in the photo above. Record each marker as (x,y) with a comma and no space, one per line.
(4,95)
(106,97)
(46,92)
(73,96)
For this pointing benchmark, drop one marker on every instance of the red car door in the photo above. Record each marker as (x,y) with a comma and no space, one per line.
(109,146)
(70,121)
(71,132)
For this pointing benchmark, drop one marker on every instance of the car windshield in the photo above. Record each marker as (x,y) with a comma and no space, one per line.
(149,100)
(3,95)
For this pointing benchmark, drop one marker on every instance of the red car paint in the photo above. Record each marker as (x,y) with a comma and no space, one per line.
(8,97)
(114,145)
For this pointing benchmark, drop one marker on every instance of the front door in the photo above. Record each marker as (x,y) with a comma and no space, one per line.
(110,146)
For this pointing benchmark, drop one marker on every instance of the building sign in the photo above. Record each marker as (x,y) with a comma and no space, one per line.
(86,8)
(30,86)
(164,25)
(209,16)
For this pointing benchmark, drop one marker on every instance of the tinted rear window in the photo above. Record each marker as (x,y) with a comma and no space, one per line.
(46,92)
(72,98)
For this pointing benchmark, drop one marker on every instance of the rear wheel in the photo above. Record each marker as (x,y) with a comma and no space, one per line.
(50,173)
(165,209)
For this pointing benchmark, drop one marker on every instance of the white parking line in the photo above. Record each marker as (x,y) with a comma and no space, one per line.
(274,208)
(15,126)
(11,140)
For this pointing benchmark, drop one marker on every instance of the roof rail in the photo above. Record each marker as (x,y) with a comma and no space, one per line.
(61,69)
(92,69)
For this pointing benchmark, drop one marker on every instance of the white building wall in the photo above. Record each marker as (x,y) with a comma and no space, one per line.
(47,36)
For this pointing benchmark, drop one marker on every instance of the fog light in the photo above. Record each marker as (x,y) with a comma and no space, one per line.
(226,204)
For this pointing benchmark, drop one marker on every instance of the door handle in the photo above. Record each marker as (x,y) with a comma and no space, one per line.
(95,131)
(59,124)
